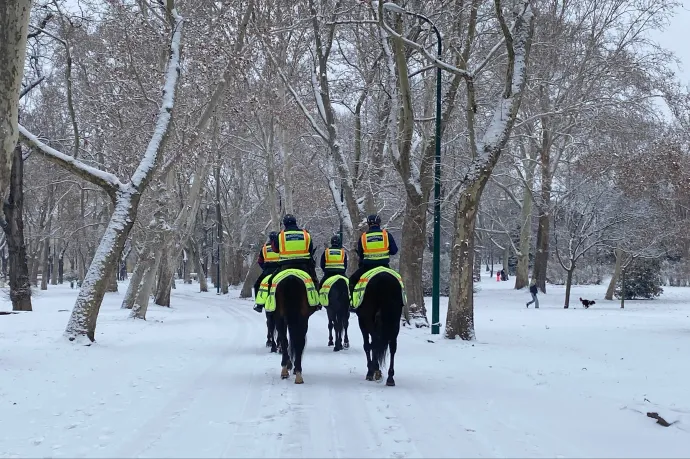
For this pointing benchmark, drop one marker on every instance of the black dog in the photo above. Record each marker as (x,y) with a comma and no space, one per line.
(587,303)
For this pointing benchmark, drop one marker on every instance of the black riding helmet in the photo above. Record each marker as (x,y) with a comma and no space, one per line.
(335,241)
(373,219)
(289,219)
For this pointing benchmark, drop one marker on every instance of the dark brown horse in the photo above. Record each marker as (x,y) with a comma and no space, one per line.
(292,318)
(338,315)
(379,318)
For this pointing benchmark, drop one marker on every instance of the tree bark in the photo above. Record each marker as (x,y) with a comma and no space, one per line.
(141,304)
(14,23)
(616,273)
(134,283)
(541,258)
(165,279)
(411,255)
(460,319)
(252,276)
(45,268)
(54,266)
(522,271)
(195,259)
(20,286)
(568,284)
(112,282)
(82,322)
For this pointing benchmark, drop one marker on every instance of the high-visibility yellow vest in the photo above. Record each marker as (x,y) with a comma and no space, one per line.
(294,245)
(269,255)
(335,258)
(375,246)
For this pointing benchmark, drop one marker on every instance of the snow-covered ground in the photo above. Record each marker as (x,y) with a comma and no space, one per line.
(196,381)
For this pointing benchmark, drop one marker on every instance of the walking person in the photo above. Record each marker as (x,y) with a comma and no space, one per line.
(533,291)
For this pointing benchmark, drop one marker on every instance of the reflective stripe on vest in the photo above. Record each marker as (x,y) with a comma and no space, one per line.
(335,259)
(269,255)
(294,245)
(375,245)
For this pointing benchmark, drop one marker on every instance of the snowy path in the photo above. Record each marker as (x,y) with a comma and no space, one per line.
(196,381)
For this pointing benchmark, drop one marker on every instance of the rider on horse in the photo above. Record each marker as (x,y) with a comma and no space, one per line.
(374,249)
(294,248)
(268,261)
(333,260)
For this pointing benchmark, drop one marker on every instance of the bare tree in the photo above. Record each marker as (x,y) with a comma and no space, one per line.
(517,40)
(125,196)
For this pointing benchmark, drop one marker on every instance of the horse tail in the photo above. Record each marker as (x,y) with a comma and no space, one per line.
(294,289)
(387,317)
(339,300)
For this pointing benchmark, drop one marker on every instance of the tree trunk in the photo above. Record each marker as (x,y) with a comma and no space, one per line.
(20,286)
(195,259)
(134,283)
(252,276)
(568,284)
(541,258)
(460,320)
(45,274)
(411,254)
(14,22)
(622,288)
(61,268)
(35,264)
(82,322)
(112,282)
(522,271)
(54,266)
(141,304)
(616,273)
(165,280)
(187,267)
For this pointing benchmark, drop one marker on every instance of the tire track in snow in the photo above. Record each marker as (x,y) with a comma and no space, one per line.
(161,423)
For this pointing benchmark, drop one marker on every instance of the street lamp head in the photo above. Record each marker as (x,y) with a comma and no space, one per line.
(394,7)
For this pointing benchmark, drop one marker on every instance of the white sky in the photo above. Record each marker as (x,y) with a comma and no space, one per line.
(676,37)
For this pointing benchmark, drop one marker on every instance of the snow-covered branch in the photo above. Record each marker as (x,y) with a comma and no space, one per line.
(109,182)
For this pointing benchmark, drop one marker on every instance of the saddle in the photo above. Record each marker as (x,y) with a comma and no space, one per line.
(361,285)
(267,293)
(326,288)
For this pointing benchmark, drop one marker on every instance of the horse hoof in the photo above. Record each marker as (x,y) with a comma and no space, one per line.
(274,350)
(346,345)
(284,373)
(330,343)
(369,377)
(336,349)
(378,376)
(390,382)
(298,378)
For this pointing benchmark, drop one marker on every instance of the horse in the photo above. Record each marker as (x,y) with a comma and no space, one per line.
(292,317)
(379,318)
(338,315)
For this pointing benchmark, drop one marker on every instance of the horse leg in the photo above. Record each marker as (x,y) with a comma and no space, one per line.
(285,363)
(298,338)
(271,324)
(338,333)
(377,349)
(393,346)
(367,350)
(330,330)
(346,322)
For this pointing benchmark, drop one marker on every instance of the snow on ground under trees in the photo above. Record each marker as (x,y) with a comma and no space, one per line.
(197,381)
